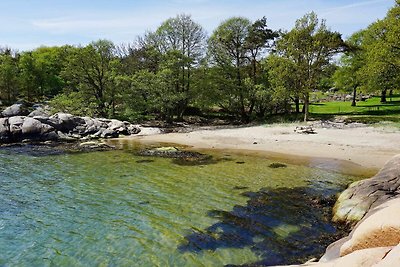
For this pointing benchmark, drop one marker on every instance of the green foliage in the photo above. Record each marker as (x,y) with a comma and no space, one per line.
(40,72)
(8,77)
(244,70)
(75,103)
(381,44)
(90,70)
(235,48)
(180,43)
(310,45)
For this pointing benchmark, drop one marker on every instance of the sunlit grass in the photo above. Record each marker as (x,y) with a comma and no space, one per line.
(369,111)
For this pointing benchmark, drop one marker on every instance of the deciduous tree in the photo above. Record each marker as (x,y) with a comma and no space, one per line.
(310,45)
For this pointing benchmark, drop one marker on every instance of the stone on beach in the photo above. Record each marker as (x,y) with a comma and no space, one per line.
(61,126)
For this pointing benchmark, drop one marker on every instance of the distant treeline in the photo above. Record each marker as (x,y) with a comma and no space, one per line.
(244,69)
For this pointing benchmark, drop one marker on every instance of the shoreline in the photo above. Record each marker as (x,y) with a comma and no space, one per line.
(358,149)
(374,240)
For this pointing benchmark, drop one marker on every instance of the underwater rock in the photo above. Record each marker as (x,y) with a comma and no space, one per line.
(277,165)
(51,148)
(180,157)
(168,152)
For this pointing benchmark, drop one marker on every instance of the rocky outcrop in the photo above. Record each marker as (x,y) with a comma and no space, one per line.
(373,242)
(61,126)
(19,109)
(354,203)
(375,239)
(380,229)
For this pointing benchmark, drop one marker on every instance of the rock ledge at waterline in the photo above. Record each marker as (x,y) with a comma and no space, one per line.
(16,127)
(375,239)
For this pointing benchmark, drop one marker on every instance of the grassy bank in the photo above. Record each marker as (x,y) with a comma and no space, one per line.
(369,111)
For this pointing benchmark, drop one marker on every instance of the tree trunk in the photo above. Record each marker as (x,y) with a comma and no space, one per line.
(297,103)
(383,96)
(353,103)
(181,108)
(306,104)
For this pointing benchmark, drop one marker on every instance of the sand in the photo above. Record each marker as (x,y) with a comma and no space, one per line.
(368,147)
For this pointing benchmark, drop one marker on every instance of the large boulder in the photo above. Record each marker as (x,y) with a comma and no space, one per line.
(61,126)
(16,126)
(65,122)
(354,203)
(391,259)
(34,129)
(133,129)
(380,229)
(31,126)
(360,258)
(91,126)
(371,257)
(106,133)
(15,110)
(123,127)
(39,112)
(117,125)
(4,130)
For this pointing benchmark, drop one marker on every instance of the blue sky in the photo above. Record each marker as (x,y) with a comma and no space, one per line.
(26,24)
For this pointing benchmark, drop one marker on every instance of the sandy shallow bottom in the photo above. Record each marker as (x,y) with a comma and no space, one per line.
(363,148)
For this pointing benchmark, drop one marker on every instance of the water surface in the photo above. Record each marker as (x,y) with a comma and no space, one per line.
(115,208)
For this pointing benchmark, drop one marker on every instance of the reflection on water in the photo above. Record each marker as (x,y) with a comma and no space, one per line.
(116,208)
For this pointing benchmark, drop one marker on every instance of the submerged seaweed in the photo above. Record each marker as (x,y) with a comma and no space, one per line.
(282,226)
(43,149)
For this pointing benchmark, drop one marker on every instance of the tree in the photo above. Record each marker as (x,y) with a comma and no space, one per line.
(310,45)
(235,47)
(284,82)
(258,39)
(40,72)
(349,75)
(8,75)
(90,69)
(184,38)
(382,47)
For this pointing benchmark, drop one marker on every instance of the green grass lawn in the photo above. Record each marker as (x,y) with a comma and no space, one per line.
(369,111)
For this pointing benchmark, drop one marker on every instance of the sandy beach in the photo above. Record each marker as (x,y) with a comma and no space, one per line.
(364,146)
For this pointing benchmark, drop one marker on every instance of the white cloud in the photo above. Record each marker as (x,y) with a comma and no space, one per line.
(353,6)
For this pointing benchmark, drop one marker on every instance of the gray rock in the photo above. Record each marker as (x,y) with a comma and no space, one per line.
(15,110)
(54,122)
(360,197)
(31,126)
(4,130)
(66,122)
(108,133)
(16,125)
(62,126)
(133,129)
(90,126)
(39,112)
(65,137)
(116,125)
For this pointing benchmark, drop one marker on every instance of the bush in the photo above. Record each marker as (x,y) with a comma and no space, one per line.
(74,103)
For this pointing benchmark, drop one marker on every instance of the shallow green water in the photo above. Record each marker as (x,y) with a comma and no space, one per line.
(118,209)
